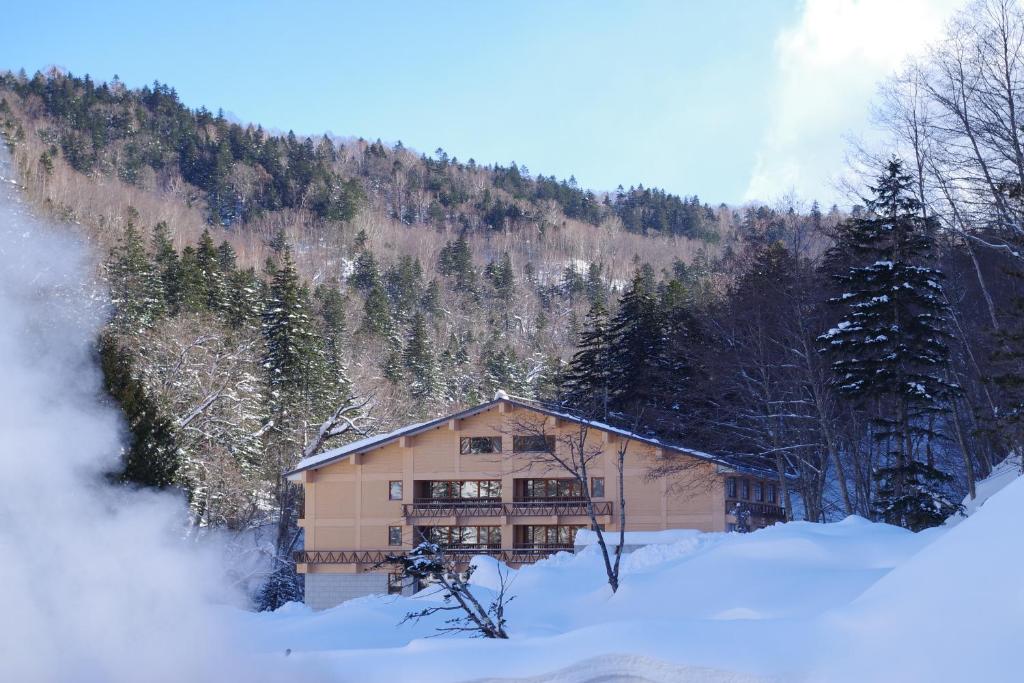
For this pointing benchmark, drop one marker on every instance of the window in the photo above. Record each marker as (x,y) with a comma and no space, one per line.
(533,443)
(394,535)
(745,489)
(730,487)
(560,536)
(449,536)
(394,490)
(771,493)
(542,489)
(597,487)
(759,492)
(395,584)
(451,490)
(479,444)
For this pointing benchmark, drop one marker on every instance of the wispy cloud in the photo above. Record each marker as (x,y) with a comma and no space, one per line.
(828,66)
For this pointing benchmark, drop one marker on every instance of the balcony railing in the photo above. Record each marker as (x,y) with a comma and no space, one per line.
(473,507)
(462,553)
(453,507)
(760,509)
(552,507)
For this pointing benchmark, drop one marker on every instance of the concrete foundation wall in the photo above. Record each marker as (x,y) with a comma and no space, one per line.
(329,590)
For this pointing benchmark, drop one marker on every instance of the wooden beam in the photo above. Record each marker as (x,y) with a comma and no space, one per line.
(609,437)
(357,458)
(454,424)
(505,407)
(405,442)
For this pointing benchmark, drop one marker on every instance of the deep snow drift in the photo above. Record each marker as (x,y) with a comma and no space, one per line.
(851,601)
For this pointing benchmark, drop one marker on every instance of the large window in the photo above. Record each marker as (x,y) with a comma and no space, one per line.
(543,489)
(487,488)
(394,490)
(597,487)
(772,496)
(455,536)
(560,536)
(730,487)
(759,492)
(394,535)
(533,443)
(745,489)
(479,444)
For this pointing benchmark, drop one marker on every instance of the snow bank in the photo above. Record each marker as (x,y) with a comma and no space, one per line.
(745,604)
(950,613)
(1002,474)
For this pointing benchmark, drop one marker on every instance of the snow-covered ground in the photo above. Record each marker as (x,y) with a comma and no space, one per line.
(850,601)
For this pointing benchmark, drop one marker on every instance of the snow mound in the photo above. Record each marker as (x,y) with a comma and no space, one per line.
(1002,474)
(949,612)
(631,669)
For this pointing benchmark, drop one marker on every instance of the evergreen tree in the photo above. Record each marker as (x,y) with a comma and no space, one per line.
(377,320)
(365,274)
(293,360)
(889,347)
(152,458)
(419,360)
(586,382)
(136,288)
(165,259)
(213,290)
(637,349)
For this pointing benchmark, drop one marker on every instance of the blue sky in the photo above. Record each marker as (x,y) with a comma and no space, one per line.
(704,98)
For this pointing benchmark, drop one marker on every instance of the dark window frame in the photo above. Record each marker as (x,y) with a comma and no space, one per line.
(396,583)
(597,487)
(391,536)
(759,491)
(527,443)
(745,489)
(475,445)
(391,489)
(731,488)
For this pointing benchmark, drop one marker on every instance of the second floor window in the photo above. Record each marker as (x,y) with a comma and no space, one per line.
(394,490)
(533,443)
(541,489)
(479,444)
(771,493)
(730,487)
(745,489)
(759,492)
(597,487)
(394,535)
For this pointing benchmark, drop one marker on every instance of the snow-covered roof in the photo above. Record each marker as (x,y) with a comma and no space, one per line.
(376,441)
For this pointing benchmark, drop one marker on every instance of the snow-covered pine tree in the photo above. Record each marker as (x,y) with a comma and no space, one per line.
(419,361)
(136,289)
(889,348)
(168,267)
(295,377)
(637,349)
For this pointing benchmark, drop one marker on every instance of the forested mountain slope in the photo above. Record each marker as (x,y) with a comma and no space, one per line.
(273,292)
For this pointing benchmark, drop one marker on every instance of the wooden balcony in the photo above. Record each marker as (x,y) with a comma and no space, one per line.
(461,553)
(434,508)
(429,508)
(556,507)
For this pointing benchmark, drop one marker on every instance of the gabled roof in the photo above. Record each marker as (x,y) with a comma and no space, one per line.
(373,442)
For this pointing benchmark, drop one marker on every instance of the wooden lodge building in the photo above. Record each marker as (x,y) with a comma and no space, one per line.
(479,482)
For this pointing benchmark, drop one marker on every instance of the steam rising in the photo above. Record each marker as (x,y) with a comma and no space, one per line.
(96,583)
